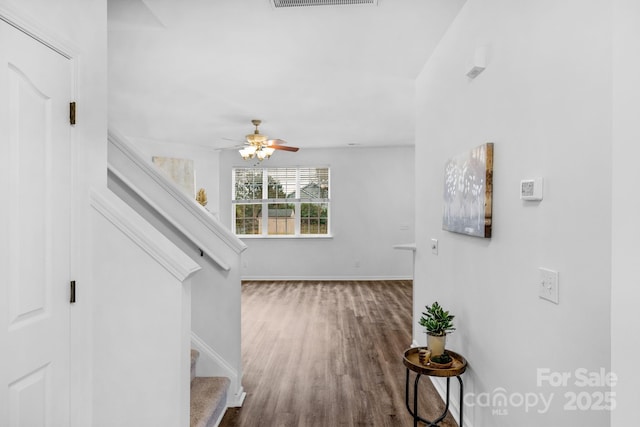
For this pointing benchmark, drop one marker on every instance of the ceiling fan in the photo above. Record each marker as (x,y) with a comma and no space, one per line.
(258,145)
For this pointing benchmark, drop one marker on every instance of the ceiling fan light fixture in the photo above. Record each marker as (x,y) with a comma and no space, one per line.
(259,146)
(248,152)
(268,151)
(256,139)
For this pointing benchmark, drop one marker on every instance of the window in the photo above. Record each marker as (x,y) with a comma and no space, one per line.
(281,202)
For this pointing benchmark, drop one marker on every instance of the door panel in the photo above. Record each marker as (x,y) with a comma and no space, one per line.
(28,280)
(27,399)
(35,90)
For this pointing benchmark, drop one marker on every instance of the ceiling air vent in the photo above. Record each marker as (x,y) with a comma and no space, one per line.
(299,3)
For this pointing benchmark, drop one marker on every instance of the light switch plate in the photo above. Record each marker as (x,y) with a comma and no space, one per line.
(548,285)
(434,246)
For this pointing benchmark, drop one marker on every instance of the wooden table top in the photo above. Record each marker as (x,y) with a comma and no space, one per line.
(412,362)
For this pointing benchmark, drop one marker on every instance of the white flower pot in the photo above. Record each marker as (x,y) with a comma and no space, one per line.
(436,344)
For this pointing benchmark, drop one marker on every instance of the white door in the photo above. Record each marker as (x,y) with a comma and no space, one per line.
(35,90)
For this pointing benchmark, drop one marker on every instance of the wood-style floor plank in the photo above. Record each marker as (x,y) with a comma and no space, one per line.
(325,354)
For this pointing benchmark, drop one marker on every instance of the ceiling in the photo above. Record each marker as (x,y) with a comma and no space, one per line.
(197,71)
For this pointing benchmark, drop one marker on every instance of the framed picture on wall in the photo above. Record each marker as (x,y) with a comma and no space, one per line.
(180,171)
(468,192)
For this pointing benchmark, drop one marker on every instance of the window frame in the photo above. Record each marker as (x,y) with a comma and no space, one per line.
(265,202)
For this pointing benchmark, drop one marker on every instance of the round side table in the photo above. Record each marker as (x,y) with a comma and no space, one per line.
(412,363)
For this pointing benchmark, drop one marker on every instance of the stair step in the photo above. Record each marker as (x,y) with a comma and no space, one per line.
(208,400)
(194,358)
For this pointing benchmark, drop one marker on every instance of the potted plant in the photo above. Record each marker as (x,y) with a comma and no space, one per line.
(437,322)
(442,362)
(201,197)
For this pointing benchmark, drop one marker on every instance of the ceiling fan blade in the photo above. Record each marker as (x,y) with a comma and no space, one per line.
(276,144)
(276,141)
(284,148)
(235,147)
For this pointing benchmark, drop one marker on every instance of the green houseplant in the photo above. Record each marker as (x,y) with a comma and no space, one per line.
(437,323)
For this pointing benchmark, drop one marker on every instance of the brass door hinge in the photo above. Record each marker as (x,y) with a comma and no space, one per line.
(72,291)
(72,113)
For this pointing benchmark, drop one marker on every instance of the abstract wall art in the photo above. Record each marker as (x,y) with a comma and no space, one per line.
(180,171)
(468,192)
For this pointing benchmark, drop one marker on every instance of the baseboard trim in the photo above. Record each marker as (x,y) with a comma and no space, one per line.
(237,399)
(220,417)
(323,278)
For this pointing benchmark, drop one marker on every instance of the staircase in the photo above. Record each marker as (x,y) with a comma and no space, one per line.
(208,305)
(213,303)
(208,397)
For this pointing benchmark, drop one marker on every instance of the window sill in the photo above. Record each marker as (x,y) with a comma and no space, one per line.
(277,237)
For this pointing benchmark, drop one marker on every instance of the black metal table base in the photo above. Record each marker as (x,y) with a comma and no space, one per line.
(414,411)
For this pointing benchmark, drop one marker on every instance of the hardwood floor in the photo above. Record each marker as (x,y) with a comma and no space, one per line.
(327,354)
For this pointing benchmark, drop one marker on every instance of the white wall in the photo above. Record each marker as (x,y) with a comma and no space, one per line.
(372,209)
(142,321)
(80,27)
(626,205)
(545,101)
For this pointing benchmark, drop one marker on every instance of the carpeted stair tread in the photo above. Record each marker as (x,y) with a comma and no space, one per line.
(194,358)
(208,400)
